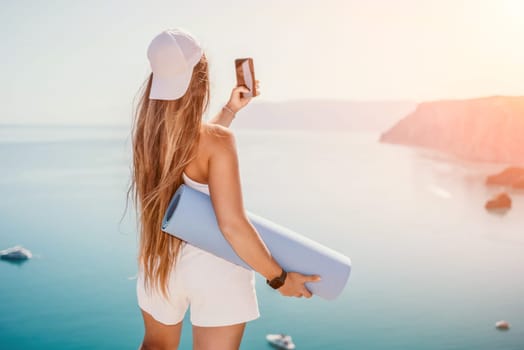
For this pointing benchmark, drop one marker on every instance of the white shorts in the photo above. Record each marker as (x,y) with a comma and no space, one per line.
(218,292)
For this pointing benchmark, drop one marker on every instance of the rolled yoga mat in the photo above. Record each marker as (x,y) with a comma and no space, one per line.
(190,216)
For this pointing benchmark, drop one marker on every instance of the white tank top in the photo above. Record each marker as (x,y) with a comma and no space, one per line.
(196,185)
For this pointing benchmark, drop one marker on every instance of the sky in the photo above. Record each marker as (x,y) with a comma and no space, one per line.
(82,62)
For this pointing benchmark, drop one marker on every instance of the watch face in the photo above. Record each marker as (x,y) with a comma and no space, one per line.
(276,283)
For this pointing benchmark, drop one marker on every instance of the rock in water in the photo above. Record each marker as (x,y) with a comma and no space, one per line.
(500,201)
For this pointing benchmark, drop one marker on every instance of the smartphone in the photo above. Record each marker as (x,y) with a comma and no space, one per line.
(246,75)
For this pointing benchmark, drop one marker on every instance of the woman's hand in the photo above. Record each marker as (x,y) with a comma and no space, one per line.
(294,285)
(236,102)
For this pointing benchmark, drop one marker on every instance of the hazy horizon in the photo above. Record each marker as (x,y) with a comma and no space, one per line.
(245,114)
(80,63)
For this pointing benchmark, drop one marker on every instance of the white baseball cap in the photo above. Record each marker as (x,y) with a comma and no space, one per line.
(172,55)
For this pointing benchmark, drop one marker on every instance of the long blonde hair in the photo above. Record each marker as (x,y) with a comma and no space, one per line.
(165,134)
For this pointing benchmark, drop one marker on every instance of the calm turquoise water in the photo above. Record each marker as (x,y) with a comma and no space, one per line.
(431,269)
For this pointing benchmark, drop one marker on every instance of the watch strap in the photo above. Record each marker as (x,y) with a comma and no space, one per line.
(277,282)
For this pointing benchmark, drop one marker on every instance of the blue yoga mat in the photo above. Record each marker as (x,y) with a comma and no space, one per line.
(190,216)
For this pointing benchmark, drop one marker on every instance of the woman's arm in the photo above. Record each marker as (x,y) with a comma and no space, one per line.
(235,103)
(226,198)
(224,117)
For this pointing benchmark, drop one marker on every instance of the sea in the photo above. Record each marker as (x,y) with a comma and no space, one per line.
(431,268)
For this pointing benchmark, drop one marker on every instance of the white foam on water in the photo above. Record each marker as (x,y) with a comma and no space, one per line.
(439,191)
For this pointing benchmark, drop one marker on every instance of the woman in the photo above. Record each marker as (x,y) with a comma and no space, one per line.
(171,146)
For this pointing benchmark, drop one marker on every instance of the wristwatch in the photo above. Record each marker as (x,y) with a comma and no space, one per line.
(278,282)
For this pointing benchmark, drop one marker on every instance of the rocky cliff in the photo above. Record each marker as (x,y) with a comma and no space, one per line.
(482,129)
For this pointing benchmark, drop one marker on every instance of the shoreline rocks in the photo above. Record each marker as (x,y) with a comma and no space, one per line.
(501,202)
(511,177)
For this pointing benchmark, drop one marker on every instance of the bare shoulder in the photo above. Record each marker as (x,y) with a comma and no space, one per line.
(218,138)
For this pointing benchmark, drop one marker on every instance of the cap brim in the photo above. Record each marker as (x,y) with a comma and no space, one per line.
(170,88)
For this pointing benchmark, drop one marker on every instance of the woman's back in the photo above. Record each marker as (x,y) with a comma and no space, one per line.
(198,165)
(196,173)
